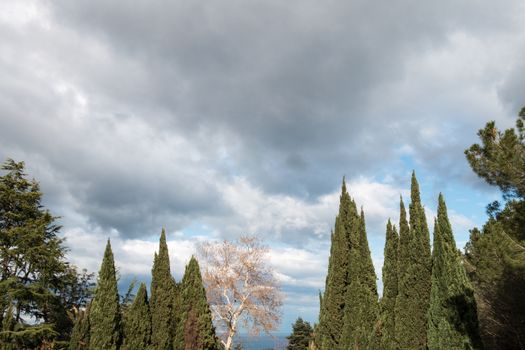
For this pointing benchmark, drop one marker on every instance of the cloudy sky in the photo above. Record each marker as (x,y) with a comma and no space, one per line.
(218,118)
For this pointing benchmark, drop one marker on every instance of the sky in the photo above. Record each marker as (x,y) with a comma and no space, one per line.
(215,119)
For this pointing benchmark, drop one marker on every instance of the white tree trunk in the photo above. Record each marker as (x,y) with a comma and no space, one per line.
(229,341)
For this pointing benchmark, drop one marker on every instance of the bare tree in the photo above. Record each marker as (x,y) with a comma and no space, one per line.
(240,287)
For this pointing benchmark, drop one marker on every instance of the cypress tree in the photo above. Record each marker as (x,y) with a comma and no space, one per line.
(383,336)
(137,326)
(104,314)
(196,331)
(80,333)
(332,310)
(162,296)
(361,308)
(414,275)
(452,316)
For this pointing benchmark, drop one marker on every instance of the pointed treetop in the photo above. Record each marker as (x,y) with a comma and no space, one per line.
(108,251)
(442,216)
(402,210)
(441,202)
(142,292)
(414,189)
(193,262)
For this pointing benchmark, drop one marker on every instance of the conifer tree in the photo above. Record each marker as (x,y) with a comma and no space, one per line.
(361,307)
(301,335)
(137,325)
(104,314)
(383,336)
(162,297)
(80,333)
(196,331)
(414,275)
(452,316)
(332,310)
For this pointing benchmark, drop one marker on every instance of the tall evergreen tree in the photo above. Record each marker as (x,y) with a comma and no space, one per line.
(413,275)
(495,255)
(452,315)
(162,299)
(332,311)
(361,307)
(383,336)
(196,330)
(301,335)
(137,323)
(104,314)
(35,279)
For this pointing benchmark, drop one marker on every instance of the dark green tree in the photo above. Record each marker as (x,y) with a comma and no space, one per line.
(332,311)
(500,159)
(81,331)
(414,270)
(196,328)
(452,315)
(35,279)
(495,263)
(301,335)
(494,255)
(383,336)
(163,291)
(137,322)
(104,314)
(361,306)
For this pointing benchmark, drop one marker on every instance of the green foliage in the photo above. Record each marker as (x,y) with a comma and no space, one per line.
(414,272)
(80,334)
(35,280)
(196,325)
(495,256)
(162,299)
(104,314)
(361,306)
(383,336)
(452,315)
(332,311)
(137,322)
(349,305)
(500,159)
(301,335)
(495,263)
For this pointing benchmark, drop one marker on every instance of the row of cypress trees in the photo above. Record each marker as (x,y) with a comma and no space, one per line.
(176,317)
(427,302)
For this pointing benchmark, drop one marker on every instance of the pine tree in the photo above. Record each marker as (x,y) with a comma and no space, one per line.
(414,275)
(196,331)
(137,325)
(361,307)
(162,296)
(332,310)
(452,316)
(301,335)
(104,314)
(80,333)
(383,336)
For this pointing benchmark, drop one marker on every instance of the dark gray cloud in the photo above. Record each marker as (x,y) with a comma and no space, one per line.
(139,114)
